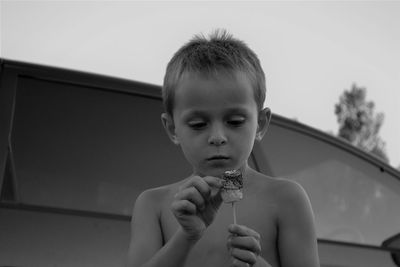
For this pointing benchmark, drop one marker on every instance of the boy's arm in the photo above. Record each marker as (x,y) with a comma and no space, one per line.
(195,206)
(297,241)
(146,248)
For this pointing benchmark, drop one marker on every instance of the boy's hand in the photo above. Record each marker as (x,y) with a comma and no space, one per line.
(196,204)
(243,245)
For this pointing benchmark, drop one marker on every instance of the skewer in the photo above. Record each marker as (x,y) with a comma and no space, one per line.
(234,212)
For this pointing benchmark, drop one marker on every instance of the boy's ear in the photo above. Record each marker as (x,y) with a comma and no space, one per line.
(264,117)
(168,123)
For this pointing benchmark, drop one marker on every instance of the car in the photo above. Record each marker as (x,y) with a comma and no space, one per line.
(77,148)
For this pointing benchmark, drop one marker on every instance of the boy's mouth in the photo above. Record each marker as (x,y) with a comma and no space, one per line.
(218,157)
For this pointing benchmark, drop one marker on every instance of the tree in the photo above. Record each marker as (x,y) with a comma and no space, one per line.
(358,123)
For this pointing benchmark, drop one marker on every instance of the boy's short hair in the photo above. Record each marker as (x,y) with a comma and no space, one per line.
(221,52)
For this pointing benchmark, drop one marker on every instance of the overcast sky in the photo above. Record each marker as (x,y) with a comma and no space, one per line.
(310,51)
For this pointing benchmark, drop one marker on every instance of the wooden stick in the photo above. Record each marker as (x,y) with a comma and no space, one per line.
(234,212)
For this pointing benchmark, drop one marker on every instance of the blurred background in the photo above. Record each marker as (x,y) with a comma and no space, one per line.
(332,65)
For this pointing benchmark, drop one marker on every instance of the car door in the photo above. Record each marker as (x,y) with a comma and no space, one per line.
(80,148)
(355,197)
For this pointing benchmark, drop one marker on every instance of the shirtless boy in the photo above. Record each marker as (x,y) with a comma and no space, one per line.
(214,92)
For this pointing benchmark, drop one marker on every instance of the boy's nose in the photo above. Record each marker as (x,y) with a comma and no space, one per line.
(217,136)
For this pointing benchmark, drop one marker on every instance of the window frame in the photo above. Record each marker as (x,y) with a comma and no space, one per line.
(330,140)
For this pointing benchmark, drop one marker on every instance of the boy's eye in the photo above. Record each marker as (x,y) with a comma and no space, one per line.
(236,121)
(197,124)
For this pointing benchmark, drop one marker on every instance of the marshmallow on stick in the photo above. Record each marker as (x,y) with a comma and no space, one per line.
(232,186)
(232,189)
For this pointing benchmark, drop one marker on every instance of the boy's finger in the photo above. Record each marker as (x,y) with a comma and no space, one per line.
(189,182)
(248,243)
(213,181)
(198,183)
(244,256)
(201,186)
(183,207)
(208,186)
(217,198)
(239,263)
(241,230)
(193,195)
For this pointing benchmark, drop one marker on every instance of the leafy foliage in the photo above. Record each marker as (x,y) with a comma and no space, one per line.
(358,123)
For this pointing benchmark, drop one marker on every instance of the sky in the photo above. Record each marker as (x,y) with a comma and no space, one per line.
(311,51)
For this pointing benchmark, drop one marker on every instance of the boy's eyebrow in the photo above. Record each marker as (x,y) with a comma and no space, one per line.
(200,113)
(243,109)
(193,113)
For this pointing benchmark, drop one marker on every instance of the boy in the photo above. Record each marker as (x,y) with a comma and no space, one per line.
(214,91)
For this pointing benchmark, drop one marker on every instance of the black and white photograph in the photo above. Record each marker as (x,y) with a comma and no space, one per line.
(199,133)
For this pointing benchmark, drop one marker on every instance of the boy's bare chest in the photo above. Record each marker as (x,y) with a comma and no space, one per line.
(211,250)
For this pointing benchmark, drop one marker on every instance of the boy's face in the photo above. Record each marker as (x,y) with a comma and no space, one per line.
(215,121)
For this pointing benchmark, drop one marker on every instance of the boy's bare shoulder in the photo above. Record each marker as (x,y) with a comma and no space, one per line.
(286,187)
(158,195)
(280,188)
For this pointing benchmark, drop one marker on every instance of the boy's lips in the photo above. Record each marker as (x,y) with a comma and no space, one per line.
(218,157)
(219,163)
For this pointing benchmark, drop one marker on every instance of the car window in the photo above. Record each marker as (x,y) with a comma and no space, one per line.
(353,200)
(84,148)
